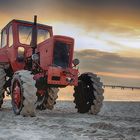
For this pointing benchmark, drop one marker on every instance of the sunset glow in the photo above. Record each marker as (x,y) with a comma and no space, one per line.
(110,30)
(119,75)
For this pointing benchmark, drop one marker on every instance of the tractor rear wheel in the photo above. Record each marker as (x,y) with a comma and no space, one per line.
(48,100)
(52,96)
(23,93)
(88,94)
(2,82)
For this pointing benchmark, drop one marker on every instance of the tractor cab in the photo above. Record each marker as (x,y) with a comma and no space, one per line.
(16,41)
(18,32)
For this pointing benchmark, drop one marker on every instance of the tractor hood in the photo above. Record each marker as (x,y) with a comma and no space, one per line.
(63,51)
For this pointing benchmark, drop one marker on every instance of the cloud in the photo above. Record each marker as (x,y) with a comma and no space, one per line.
(110,66)
(119,17)
(90,13)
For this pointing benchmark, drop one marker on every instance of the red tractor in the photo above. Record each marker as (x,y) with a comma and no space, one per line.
(34,64)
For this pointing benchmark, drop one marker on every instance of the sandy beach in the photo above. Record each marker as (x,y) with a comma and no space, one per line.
(116,121)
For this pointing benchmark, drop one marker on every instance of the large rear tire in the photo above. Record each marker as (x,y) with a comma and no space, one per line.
(52,96)
(2,82)
(48,99)
(23,93)
(88,94)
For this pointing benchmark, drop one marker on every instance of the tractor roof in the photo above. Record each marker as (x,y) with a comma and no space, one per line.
(27,22)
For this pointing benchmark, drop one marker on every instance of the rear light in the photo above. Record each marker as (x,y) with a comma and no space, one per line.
(20,54)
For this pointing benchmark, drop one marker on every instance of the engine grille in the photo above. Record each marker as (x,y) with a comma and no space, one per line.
(61,54)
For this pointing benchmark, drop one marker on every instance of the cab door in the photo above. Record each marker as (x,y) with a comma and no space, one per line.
(3,46)
(12,50)
(10,46)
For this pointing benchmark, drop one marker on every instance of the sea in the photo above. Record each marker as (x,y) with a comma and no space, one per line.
(110,94)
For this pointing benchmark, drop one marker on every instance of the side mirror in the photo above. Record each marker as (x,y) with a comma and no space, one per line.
(76,62)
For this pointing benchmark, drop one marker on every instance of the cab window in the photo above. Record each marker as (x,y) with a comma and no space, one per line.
(10,36)
(25,35)
(3,38)
(42,35)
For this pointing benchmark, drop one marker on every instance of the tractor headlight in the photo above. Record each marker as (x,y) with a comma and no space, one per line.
(69,79)
(20,54)
(76,62)
(35,57)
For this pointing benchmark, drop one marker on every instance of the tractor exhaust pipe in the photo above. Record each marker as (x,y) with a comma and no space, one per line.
(34,35)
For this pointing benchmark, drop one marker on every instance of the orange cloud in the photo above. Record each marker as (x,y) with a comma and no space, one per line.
(130,75)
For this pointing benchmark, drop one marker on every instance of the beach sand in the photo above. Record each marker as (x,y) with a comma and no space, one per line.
(116,121)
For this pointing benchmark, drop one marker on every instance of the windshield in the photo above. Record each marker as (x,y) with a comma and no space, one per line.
(25,35)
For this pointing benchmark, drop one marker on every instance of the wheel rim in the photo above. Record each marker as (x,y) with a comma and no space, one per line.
(17,97)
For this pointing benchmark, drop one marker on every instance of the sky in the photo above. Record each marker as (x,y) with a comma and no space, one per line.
(106,32)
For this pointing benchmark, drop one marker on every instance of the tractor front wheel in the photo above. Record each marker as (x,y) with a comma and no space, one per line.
(23,93)
(88,94)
